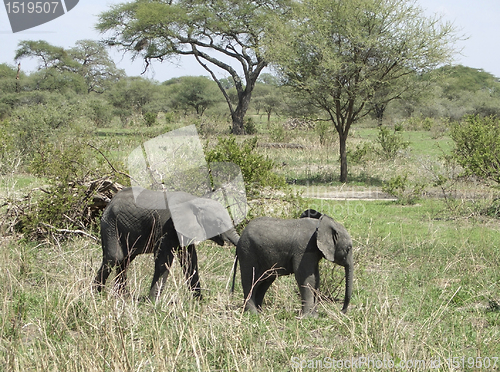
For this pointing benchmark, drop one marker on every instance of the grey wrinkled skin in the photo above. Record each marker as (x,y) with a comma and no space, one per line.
(131,227)
(271,247)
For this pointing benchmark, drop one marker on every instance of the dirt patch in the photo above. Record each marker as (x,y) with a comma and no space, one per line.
(347,195)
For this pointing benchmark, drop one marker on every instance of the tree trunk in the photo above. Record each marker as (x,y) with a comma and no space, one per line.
(238,115)
(343,158)
(238,123)
(379,113)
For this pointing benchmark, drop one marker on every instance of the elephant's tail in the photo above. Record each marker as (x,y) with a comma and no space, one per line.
(235,266)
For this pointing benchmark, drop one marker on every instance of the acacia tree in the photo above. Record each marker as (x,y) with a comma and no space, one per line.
(195,92)
(95,65)
(347,57)
(88,58)
(219,34)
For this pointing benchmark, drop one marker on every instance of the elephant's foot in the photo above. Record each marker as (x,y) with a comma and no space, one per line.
(309,314)
(251,308)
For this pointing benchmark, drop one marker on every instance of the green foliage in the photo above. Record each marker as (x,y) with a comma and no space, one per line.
(150,118)
(398,37)
(100,112)
(390,143)
(10,154)
(268,97)
(359,155)
(196,93)
(323,130)
(477,146)
(406,191)
(257,170)
(33,125)
(457,79)
(68,166)
(250,127)
(278,133)
(132,95)
(85,68)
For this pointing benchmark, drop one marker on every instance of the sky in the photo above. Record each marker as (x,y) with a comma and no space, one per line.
(478,21)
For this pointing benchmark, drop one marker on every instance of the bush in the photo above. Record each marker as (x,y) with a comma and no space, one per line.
(256,169)
(401,188)
(278,133)
(250,127)
(101,112)
(477,146)
(323,129)
(359,155)
(35,125)
(150,118)
(69,167)
(10,155)
(390,143)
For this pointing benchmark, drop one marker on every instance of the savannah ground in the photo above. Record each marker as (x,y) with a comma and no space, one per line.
(426,283)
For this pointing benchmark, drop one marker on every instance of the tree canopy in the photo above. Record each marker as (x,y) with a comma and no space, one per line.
(88,58)
(219,34)
(348,56)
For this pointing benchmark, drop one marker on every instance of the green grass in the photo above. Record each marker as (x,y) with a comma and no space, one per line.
(426,283)
(425,287)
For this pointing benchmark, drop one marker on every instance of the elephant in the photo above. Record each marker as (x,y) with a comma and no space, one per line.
(311,213)
(138,221)
(272,247)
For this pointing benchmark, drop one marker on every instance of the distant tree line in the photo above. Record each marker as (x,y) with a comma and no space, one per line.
(87,71)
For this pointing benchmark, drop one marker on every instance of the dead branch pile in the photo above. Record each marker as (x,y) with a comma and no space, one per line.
(296,123)
(281,145)
(86,202)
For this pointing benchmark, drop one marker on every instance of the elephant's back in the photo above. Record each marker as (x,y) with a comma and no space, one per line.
(269,231)
(134,205)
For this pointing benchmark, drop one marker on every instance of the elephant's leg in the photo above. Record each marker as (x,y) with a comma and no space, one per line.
(261,289)
(102,275)
(111,253)
(189,262)
(163,262)
(308,285)
(249,284)
(121,276)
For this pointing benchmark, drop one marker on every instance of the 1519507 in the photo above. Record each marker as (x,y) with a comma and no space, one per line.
(30,7)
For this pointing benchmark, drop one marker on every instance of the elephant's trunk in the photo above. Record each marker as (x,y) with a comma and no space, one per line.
(348,283)
(231,236)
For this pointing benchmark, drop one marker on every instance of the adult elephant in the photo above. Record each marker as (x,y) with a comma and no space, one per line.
(271,247)
(141,221)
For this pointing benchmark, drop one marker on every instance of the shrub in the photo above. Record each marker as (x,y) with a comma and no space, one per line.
(256,169)
(477,146)
(101,112)
(390,143)
(150,118)
(69,166)
(402,189)
(250,127)
(278,133)
(10,155)
(35,125)
(322,128)
(359,155)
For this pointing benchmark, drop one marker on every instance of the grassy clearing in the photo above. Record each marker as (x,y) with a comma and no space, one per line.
(426,285)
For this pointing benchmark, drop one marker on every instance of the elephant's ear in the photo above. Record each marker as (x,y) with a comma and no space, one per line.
(327,237)
(199,219)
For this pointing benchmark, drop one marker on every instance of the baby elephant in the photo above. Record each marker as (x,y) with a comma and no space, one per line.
(271,247)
